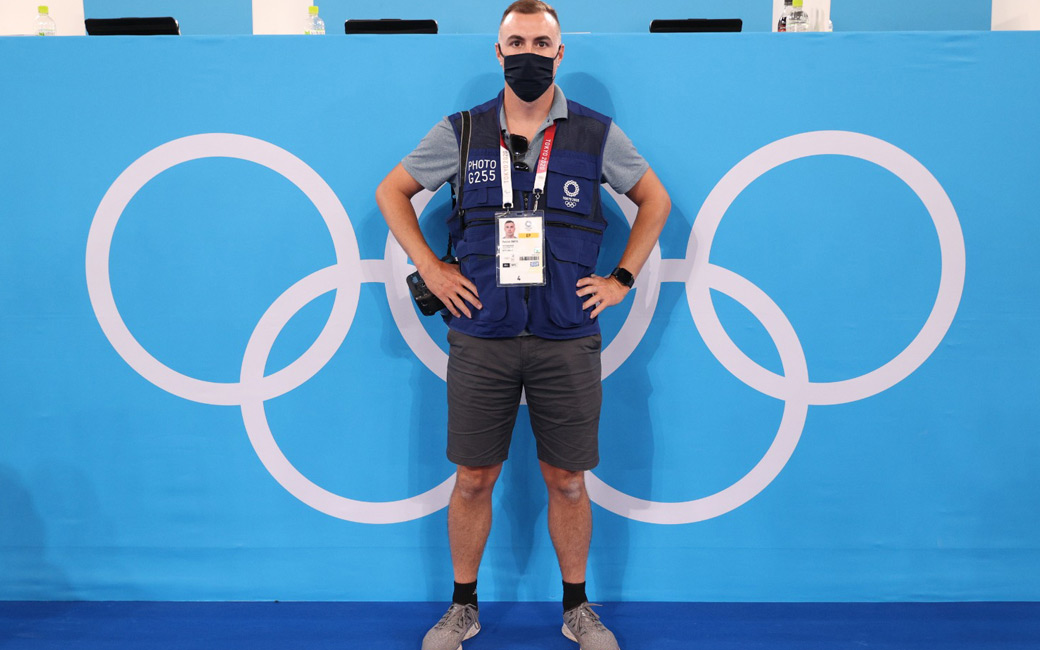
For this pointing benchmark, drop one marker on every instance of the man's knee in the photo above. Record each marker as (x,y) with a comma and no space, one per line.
(476,482)
(565,484)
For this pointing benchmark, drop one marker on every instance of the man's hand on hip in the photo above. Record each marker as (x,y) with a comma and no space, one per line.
(601,292)
(454,289)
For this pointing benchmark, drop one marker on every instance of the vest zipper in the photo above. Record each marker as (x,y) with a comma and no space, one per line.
(526,196)
(570,225)
(562,224)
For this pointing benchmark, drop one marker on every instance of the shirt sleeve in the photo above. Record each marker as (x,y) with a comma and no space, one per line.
(436,159)
(622,164)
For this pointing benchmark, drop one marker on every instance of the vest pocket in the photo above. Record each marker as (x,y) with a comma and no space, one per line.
(570,259)
(477,263)
(484,195)
(571,184)
(473,197)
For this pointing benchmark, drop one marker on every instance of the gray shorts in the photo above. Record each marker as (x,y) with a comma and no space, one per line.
(564,395)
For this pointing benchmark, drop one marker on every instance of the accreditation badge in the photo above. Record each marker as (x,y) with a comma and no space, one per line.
(521,248)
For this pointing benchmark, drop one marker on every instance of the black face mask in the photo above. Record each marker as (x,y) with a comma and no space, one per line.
(528,74)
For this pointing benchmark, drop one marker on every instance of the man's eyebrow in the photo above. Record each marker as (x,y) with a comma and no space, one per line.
(544,37)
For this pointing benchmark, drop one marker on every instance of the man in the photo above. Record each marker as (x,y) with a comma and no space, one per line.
(539,332)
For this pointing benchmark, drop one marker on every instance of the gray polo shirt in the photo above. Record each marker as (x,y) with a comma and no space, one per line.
(436,160)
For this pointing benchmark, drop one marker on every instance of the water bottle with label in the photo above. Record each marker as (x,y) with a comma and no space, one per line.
(781,25)
(798,21)
(44,25)
(315,25)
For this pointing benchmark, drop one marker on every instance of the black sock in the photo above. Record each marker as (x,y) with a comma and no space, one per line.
(465,593)
(573,595)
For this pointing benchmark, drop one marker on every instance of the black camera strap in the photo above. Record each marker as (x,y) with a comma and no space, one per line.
(465,130)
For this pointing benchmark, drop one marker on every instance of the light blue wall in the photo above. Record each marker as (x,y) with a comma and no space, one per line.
(112,486)
(479,16)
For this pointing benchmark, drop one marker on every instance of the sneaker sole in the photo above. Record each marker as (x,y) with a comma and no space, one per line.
(567,633)
(470,634)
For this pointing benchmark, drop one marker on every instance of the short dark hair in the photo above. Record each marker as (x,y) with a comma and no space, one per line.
(530,7)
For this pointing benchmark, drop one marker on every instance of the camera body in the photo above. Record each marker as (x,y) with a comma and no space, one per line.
(429,304)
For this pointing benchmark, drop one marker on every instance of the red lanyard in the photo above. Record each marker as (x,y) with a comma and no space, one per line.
(539,177)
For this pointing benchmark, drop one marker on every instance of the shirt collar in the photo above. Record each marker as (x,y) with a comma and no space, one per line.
(558,110)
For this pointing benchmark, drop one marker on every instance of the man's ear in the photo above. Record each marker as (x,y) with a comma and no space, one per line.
(559,59)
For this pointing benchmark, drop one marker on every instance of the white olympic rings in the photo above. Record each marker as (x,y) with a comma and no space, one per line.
(344,277)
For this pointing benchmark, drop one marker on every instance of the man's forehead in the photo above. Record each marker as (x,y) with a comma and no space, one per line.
(529,26)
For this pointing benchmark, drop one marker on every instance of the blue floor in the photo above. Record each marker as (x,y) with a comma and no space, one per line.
(660,626)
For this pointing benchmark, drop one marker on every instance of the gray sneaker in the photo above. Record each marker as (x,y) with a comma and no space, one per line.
(581,624)
(458,624)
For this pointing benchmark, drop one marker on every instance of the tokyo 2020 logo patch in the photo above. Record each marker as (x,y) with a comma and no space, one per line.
(570,191)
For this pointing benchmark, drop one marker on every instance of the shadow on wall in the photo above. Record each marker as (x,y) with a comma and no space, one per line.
(627,438)
(478,89)
(589,91)
(26,573)
(426,428)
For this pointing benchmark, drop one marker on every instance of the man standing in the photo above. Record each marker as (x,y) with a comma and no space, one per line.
(536,159)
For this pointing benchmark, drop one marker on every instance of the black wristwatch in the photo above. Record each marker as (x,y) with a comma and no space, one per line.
(623,276)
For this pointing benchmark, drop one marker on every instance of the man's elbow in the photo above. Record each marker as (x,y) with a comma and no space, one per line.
(659,202)
(386,192)
(649,194)
(665,202)
(383,191)
(397,186)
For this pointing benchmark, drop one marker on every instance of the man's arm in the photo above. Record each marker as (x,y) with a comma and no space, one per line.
(654,205)
(394,197)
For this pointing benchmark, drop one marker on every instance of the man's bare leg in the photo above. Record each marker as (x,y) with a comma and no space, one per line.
(469,518)
(570,520)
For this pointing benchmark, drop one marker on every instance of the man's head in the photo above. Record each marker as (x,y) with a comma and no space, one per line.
(529,27)
(530,12)
(510,228)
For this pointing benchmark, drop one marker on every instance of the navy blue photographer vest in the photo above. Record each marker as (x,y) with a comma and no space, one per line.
(574,227)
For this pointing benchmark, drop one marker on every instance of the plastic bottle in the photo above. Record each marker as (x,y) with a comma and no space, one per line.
(798,21)
(44,24)
(315,25)
(781,25)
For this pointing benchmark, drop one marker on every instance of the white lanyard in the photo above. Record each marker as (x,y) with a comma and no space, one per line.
(539,177)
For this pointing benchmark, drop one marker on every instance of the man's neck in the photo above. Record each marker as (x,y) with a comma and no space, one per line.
(523,117)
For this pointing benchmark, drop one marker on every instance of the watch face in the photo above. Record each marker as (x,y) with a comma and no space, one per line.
(624,277)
